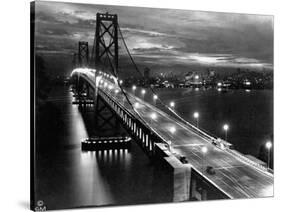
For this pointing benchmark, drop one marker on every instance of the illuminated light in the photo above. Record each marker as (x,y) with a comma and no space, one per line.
(248,83)
(105,84)
(155,97)
(196,89)
(143,91)
(173,130)
(268,145)
(196,115)
(137,105)
(134,87)
(153,116)
(219,89)
(247,90)
(116,91)
(98,78)
(204,149)
(121,82)
(196,77)
(172,104)
(101,81)
(219,84)
(110,87)
(225,127)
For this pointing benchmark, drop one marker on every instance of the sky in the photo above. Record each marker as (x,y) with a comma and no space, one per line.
(161,39)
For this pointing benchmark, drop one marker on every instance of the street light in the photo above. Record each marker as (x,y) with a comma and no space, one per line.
(268,145)
(225,128)
(204,150)
(153,116)
(155,97)
(143,92)
(196,116)
(137,105)
(134,88)
(173,130)
(172,104)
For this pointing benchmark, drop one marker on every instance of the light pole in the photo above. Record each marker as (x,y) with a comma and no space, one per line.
(225,128)
(268,146)
(153,116)
(143,92)
(172,105)
(196,116)
(173,130)
(136,105)
(204,151)
(134,88)
(155,97)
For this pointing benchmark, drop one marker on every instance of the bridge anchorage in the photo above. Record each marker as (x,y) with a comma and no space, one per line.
(96,85)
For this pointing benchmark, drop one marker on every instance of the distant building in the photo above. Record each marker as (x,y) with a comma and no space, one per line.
(193,79)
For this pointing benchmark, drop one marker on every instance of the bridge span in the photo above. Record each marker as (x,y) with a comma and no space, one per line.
(233,175)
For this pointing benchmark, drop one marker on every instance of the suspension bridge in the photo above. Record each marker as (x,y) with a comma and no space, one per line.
(201,169)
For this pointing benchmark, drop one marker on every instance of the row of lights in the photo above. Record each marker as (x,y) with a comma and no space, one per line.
(196,115)
(155,97)
(204,149)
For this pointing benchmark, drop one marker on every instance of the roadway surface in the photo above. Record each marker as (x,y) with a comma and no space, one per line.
(234,176)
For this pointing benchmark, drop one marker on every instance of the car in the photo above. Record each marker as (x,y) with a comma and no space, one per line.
(183,159)
(210,170)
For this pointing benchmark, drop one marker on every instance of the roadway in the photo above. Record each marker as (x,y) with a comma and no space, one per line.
(235,177)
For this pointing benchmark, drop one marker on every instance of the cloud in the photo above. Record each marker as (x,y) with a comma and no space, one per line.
(161,37)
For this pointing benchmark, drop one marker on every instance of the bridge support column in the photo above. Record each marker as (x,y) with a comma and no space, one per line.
(105,119)
(180,173)
(193,190)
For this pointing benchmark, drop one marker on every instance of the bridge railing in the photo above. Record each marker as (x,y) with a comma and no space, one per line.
(155,136)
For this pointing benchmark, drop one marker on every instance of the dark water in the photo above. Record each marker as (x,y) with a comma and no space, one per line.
(68,177)
(249,114)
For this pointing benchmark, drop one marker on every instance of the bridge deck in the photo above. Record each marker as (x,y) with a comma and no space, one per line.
(235,177)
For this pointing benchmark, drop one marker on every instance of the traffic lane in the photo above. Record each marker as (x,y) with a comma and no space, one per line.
(240,180)
(249,180)
(244,178)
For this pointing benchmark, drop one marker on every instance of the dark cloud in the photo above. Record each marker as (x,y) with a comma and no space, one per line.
(161,36)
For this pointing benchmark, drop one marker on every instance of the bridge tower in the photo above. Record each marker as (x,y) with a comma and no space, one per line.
(106,41)
(83,54)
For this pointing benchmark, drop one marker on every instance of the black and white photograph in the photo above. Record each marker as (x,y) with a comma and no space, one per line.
(142,105)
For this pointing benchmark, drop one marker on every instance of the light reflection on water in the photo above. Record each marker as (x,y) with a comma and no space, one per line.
(69,177)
